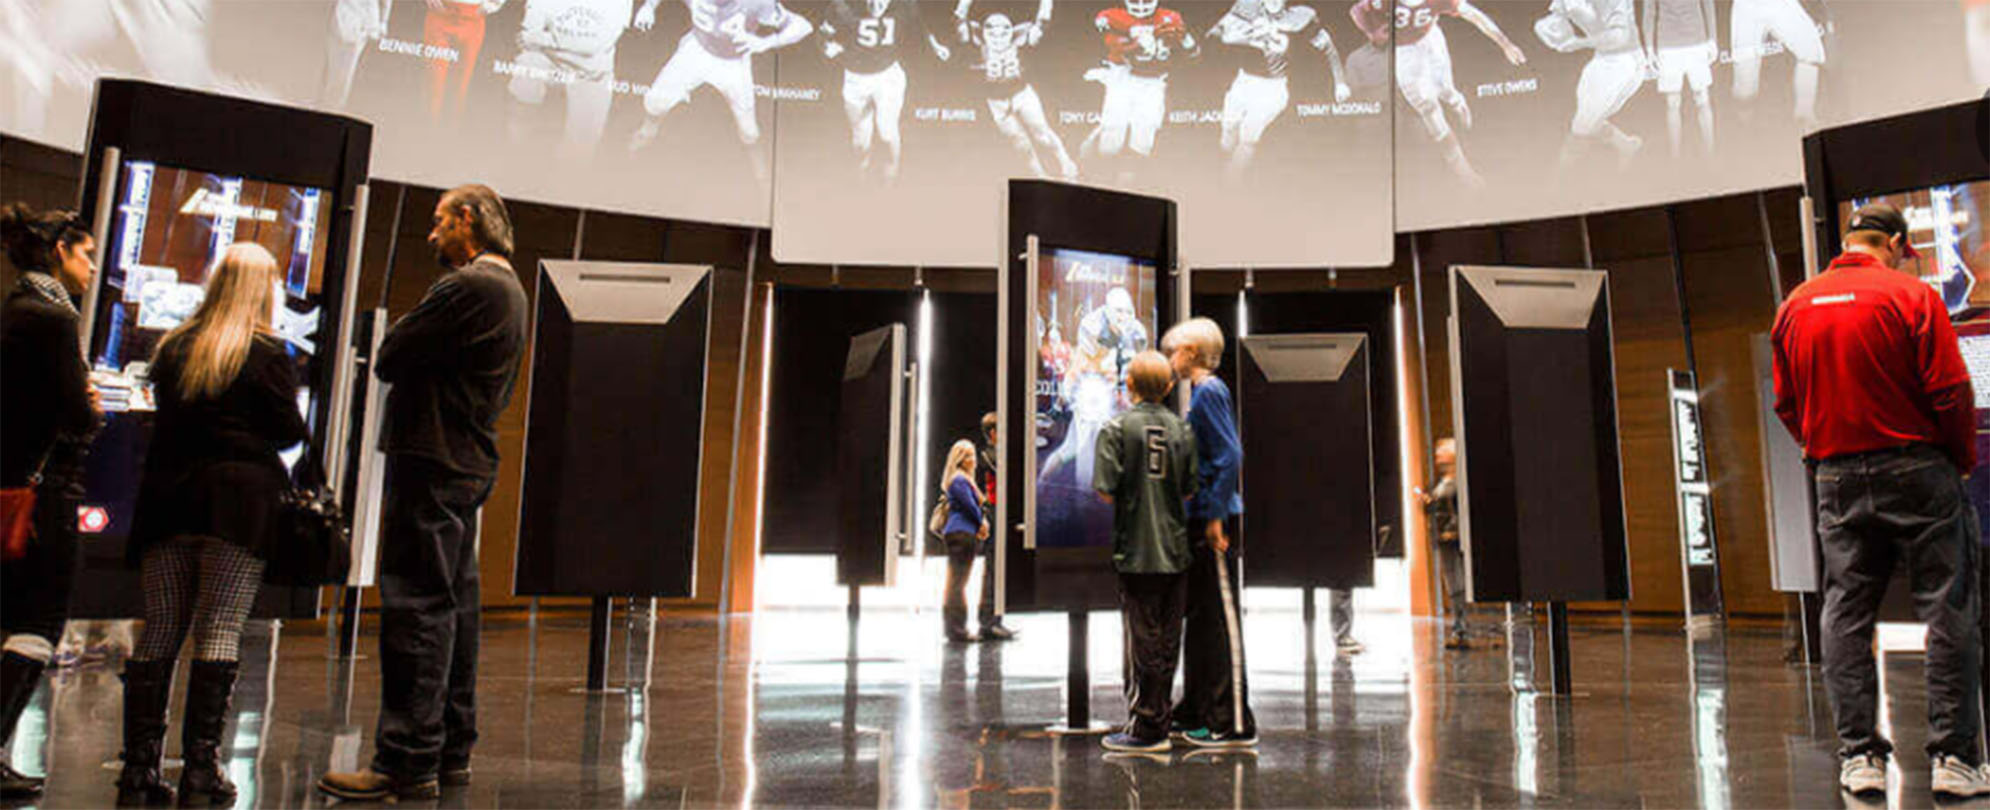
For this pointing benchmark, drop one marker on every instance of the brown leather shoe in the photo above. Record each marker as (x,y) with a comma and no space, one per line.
(372,786)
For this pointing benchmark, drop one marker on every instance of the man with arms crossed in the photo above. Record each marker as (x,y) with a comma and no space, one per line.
(1870,381)
(452,361)
(569,44)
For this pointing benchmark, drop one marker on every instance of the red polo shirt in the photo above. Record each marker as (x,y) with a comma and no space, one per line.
(1866,360)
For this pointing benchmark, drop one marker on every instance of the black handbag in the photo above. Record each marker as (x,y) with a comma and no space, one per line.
(313,543)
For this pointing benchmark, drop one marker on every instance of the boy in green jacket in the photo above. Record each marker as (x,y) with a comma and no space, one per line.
(1146,468)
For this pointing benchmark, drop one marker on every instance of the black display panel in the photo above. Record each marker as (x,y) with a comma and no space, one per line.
(195,173)
(1044,218)
(1308,481)
(1534,397)
(870,454)
(614,431)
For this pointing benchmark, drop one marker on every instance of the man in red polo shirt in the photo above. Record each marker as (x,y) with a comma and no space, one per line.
(1871,382)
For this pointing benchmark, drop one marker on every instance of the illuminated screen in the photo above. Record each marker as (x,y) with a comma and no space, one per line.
(1094,312)
(1974,338)
(169,227)
(1945,224)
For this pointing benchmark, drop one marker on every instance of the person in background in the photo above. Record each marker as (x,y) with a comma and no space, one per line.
(1870,381)
(1215,710)
(1145,467)
(453,362)
(204,525)
(965,527)
(1440,503)
(992,628)
(51,412)
(1341,602)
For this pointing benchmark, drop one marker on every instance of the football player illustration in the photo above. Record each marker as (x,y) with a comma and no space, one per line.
(169,37)
(1108,338)
(1976,35)
(457,27)
(569,45)
(1269,29)
(1613,75)
(356,24)
(1142,40)
(1754,24)
(1423,64)
(864,35)
(1680,41)
(718,51)
(1013,103)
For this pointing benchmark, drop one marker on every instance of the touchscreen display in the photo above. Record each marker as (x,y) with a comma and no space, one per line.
(1093,313)
(1945,223)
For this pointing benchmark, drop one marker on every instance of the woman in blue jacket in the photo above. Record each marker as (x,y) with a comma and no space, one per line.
(965,526)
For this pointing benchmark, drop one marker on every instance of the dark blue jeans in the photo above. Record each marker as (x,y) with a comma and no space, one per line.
(429,618)
(1876,510)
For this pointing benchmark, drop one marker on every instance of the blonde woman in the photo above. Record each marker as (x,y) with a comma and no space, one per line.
(965,527)
(227,393)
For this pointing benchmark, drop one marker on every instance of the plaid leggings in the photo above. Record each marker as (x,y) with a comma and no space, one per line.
(202,584)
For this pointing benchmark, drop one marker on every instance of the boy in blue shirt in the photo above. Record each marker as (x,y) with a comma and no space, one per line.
(1215,710)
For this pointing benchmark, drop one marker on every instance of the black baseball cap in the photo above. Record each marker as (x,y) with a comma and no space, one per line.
(1884,219)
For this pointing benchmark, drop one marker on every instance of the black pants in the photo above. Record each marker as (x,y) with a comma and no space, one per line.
(960,563)
(34,590)
(1216,691)
(1151,608)
(428,619)
(986,615)
(1873,510)
(1451,567)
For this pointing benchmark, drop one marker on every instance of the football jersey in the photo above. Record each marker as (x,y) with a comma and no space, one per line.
(1144,44)
(871,41)
(719,25)
(1277,35)
(1411,19)
(1682,24)
(1001,69)
(585,27)
(1597,17)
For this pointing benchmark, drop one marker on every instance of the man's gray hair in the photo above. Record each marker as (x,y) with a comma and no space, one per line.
(489,219)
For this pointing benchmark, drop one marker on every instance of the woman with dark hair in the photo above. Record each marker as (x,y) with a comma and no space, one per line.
(227,393)
(49,417)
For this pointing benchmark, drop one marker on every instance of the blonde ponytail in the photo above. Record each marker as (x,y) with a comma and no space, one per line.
(214,343)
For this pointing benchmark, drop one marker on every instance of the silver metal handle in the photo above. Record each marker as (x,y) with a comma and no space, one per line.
(344,358)
(100,229)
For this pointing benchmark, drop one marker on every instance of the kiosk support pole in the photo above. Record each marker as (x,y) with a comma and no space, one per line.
(1309,608)
(1079,679)
(597,645)
(1811,604)
(1558,647)
(348,622)
(855,607)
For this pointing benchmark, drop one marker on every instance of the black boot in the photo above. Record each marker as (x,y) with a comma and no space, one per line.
(148,685)
(204,781)
(19,675)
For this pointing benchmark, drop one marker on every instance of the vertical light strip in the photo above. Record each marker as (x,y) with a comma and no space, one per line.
(1414,786)
(760,466)
(922,409)
(1243,316)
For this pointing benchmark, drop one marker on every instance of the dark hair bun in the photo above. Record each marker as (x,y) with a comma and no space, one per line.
(30,238)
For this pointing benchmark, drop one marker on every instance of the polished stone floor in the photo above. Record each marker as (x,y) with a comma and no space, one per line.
(787,709)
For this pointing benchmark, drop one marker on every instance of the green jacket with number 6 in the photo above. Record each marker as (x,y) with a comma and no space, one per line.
(1146,464)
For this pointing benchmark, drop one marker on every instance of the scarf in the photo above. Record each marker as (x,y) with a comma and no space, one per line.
(50,290)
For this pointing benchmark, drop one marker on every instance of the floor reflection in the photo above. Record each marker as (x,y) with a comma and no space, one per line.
(804,708)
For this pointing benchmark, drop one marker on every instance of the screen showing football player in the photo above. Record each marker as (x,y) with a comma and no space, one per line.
(456,28)
(1108,338)
(1142,42)
(1013,103)
(567,45)
(1267,30)
(1976,36)
(1423,65)
(1680,42)
(1614,73)
(356,25)
(1753,24)
(864,37)
(718,51)
(62,40)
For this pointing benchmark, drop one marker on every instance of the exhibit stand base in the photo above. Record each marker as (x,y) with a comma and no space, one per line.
(1078,681)
(601,612)
(1558,649)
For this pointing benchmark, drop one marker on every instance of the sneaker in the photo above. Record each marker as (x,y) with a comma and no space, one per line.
(1349,646)
(1122,741)
(454,774)
(1204,738)
(1864,774)
(1955,779)
(997,632)
(372,786)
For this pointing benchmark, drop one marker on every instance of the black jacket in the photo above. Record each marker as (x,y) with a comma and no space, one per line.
(212,469)
(453,362)
(45,385)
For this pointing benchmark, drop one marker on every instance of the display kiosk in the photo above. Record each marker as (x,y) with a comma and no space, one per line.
(1309,487)
(172,178)
(873,443)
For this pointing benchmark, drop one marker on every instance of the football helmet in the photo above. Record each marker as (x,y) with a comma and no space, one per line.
(1142,8)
